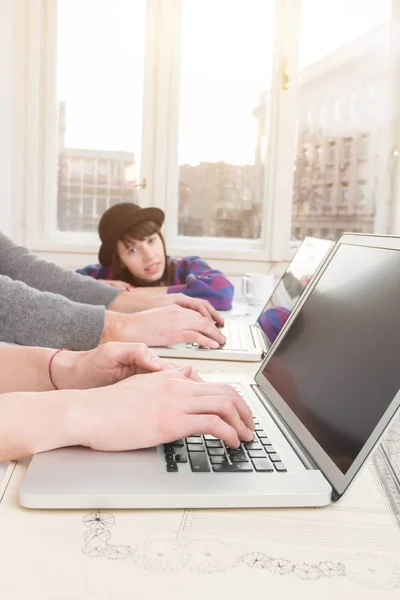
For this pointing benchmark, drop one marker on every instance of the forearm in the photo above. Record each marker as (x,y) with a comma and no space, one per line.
(36,422)
(20,264)
(33,318)
(26,369)
(136,300)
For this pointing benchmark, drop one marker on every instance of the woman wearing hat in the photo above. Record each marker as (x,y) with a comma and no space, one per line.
(133,254)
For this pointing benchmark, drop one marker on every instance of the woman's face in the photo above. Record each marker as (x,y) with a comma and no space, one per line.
(145,259)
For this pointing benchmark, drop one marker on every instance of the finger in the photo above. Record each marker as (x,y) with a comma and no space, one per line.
(209,425)
(207,310)
(190,320)
(210,330)
(147,360)
(190,373)
(224,408)
(133,354)
(214,313)
(197,338)
(187,370)
(219,389)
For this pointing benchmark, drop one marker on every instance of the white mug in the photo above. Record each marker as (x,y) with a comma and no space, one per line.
(257,287)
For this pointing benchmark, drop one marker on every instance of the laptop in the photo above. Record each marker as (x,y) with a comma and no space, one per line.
(250,342)
(322,399)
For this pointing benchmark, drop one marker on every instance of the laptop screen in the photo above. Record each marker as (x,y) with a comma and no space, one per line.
(337,367)
(286,294)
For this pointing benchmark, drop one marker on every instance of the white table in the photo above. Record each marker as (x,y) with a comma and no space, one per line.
(350,550)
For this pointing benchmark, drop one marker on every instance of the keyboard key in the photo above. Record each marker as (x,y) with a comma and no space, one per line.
(236,468)
(258,427)
(262,464)
(172,467)
(261,434)
(199,462)
(279,466)
(168,449)
(257,454)
(195,448)
(214,444)
(233,451)
(194,439)
(253,446)
(181,458)
(218,460)
(265,442)
(269,449)
(210,437)
(169,457)
(239,458)
(274,457)
(178,443)
(216,451)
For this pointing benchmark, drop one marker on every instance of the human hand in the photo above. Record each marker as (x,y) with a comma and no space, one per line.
(138,299)
(162,327)
(156,408)
(108,364)
(115,283)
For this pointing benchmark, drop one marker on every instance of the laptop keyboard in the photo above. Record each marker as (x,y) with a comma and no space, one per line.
(233,335)
(206,453)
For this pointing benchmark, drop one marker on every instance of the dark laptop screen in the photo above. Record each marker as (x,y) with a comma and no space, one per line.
(304,264)
(338,366)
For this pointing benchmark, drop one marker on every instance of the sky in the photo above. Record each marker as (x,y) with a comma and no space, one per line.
(226,63)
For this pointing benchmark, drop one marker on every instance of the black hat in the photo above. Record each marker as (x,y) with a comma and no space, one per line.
(117,221)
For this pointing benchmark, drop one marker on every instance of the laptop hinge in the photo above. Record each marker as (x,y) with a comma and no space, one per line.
(257,333)
(301,452)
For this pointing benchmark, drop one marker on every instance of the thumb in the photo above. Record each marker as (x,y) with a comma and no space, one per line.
(146,359)
(186,370)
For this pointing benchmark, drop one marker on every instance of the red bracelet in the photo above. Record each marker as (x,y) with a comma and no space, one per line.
(51,360)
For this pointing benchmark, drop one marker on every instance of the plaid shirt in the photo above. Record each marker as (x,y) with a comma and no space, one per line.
(193,277)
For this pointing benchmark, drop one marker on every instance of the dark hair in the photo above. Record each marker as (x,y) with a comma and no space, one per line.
(140,232)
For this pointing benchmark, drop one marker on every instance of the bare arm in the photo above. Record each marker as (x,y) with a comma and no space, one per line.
(152,409)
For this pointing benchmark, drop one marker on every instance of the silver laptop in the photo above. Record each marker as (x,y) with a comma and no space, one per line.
(250,342)
(322,399)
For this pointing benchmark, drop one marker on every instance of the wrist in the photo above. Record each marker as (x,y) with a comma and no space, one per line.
(64,370)
(114,327)
(126,302)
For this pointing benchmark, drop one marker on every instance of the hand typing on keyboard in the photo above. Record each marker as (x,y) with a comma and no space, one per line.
(155,408)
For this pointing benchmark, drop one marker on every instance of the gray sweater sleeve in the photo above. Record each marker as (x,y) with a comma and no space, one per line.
(32,318)
(20,264)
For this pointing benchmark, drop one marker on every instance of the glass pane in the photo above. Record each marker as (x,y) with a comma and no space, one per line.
(226,63)
(100,74)
(343,117)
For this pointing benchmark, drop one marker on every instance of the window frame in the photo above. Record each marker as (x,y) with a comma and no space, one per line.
(35,152)
(36,31)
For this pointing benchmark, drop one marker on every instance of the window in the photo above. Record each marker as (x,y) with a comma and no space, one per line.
(318,155)
(219,156)
(99,107)
(336,67)
(344,195)
(331,154)
(297,233)
(325,233)
(363,147)
(347,149)
(223,101)
(362,187)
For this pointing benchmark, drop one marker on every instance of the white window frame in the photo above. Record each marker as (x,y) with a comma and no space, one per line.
(36,125)
(278,183)
(36,30)
(35,131)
